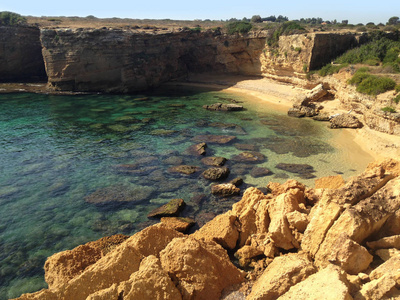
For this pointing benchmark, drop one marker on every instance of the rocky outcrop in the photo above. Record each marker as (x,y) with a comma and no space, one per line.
(300,53)
(21,54)
(119,60)
(296,243)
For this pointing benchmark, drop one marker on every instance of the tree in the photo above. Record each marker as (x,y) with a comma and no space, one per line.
(256,19)
(393,21)
(345,22)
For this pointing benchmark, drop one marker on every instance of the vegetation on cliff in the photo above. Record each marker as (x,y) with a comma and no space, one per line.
(11,19)
(287,28)
(238,27)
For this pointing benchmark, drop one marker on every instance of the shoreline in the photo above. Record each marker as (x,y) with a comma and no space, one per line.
(281,97)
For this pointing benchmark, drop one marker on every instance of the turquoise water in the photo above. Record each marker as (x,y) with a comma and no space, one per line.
(55,151)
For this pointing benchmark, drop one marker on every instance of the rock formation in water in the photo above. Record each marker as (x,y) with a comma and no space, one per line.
(340,240)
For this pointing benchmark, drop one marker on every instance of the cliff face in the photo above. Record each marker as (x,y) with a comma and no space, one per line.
(299,53)
(112,60)
(20,54)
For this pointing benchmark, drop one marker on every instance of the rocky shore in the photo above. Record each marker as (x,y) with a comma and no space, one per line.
(339,240)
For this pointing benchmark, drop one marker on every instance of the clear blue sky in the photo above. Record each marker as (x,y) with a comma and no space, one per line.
(358,11)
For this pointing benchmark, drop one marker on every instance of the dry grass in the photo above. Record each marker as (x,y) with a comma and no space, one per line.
(145,24)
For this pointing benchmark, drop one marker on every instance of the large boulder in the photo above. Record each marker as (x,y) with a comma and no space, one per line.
(345,121)
(328,284)
(63,266)
(246,211)
(200,269)
(283,273)
(222,230)
(151,240)
(149,282)
(115,267)
(278,208)
(360,222)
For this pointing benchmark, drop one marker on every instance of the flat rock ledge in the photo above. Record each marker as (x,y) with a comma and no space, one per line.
(334,241)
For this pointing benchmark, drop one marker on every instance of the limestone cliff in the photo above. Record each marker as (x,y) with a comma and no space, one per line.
(20,54)
(116,60)
(299,53)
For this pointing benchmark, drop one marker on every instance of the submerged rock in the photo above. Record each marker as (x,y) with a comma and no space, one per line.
(296,168)
(199,149)
(184,169)
(224,107)
(260,172)
(119,193)
(225,189)
(214,139)
(216,173)
(215,161)
(172,208)
(249,157)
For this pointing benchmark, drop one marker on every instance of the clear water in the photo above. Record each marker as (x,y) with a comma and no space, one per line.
(57,150)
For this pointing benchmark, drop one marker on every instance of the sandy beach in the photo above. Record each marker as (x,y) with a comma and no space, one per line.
(362,145)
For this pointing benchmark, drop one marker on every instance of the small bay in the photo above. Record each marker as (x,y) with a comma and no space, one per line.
(76,168)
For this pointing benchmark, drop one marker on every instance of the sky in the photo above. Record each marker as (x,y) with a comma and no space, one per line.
(357,11)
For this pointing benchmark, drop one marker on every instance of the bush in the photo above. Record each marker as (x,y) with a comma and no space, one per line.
(287,28)
(11,19)
(397,99)
(388,109)
(380,49)
(372,85)
(397,88)
(330,69)
(238,27)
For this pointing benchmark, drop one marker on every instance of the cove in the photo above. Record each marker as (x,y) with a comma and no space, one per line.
(63,162)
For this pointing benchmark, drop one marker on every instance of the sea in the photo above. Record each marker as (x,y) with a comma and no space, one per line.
(75,168)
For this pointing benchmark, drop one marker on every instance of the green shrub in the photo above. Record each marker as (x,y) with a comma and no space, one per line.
(380,49)
(358,77)
(330,69)
(388,109)
(397,88)
(238,27)
(286,28)
(195,29)
(11,19)
(397,99)
(374,85)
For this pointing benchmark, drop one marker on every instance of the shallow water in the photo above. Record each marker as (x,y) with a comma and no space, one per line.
(56,151)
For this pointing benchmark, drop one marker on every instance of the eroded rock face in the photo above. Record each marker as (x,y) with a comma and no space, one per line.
(200,269)
(63,266)
(332,279)
(284,272)
(222,230)
(119,60)
(21,54)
